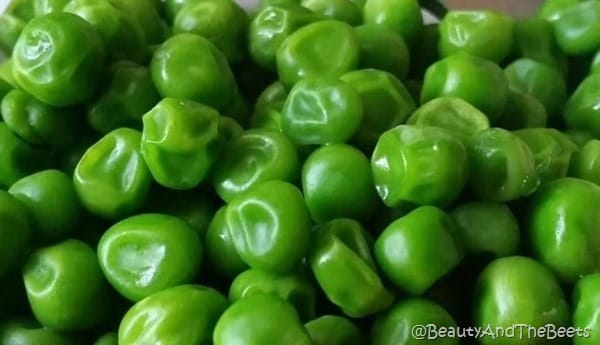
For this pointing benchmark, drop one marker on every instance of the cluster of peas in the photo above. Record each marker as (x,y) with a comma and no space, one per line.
(316,172)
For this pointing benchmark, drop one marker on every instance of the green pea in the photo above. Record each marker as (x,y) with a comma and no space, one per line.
(221,252)
(15,230)
(402,16)
(585,163)
(523,110)
(334,330)
(342,10)
(383,49)
(17,158)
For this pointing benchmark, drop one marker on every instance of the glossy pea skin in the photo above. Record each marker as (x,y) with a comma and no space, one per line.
(52,202)
(563,227)
(577,28)
(486,34)
(180,142)
(189,67)
(402,16)
(507,292)
(179,315)
(585,163)
(276,208)
(321,111)
(15,232)
(297,58)
(279,323)
(394,326)
(383,49)
(585,311)
(269,28)
(432,246)
(502,166)
(221,254)
(221,22)
(337,183)
(419,164)
(386,103)
(129,93)
(122,35)
(581,110)
(255,156)
(341,261)
(58,59)
(295,288)
(111,178)
(334,330)
(147,253)
(487,228)
(38,123)
(477,81)
(65,286)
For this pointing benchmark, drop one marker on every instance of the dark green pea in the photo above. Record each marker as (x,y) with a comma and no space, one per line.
(38,123)
(24,331)
(52,202)
(502,166)
(110,338)
(582,110)
(334,330)
(585,163)
(221,254)
(534,39)
(402,16)
(15,230)
(487,228)
(129,93)
(223,22)
(383,49)
(523,111)
(17,158)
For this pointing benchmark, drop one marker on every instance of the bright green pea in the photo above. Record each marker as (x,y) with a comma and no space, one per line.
(386,103)
(147,253)
(486,34)
(275,208)
(383,49)
(341,261)
(271,26)
(122,35)
(52,202)
(279,323)
(65,286)
(585,163)
(15,232)
(180,142)
(532,77)
(297,59)
(581,110)
(185,314)
(419,164)
(221,254)
(502,166)
(321,111)
(552,151)
(111,177)
(487,228)
(402,16)
(450,113)
(223,22)
(17,158)
(255,156)
(342,10)
(478,81)
(577,28)
(431,247)
(523,110)
(38,123)
(58,59)
(189,67)
(337,183)
(129,93)
(334,330)
(294,288)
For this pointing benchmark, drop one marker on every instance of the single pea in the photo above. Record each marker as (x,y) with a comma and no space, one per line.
(16,231)
(585,163)
(402,16)
(383,49)
(334,330)
(221,254)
